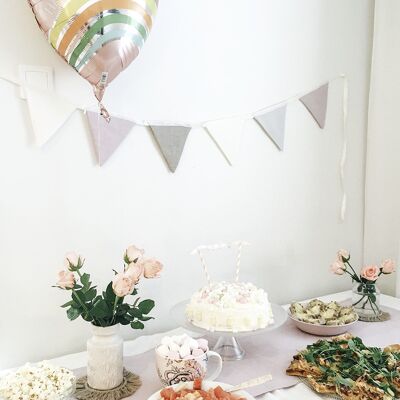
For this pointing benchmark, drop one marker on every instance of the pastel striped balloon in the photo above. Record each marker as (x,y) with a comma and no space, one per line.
(99,38)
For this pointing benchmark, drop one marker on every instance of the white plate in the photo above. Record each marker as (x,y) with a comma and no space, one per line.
(205,386)
(322,330)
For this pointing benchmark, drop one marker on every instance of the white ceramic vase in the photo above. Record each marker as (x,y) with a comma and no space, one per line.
(105,358)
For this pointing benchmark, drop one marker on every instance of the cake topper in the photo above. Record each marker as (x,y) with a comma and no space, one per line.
(239,244)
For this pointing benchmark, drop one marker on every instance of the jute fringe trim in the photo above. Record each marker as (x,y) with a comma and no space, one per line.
(128,387)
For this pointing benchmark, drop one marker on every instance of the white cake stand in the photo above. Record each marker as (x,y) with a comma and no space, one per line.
(227,344)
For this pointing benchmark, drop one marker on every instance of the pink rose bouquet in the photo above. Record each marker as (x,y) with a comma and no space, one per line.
(110,307)
(366,279)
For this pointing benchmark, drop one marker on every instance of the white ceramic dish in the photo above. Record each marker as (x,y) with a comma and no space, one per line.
(205,385)
(322,330)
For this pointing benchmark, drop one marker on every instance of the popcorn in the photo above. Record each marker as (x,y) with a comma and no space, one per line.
(41,382)
(182,347)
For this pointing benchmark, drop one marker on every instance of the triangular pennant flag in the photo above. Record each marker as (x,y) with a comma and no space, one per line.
(171,141)
(316,103)
(107,136)
(48,113)
(227,133)
(273,122)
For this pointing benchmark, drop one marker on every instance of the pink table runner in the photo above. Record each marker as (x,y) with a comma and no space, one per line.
(266,353)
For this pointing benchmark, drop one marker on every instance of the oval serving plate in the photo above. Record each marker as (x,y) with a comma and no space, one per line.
(321,330)
(205,386)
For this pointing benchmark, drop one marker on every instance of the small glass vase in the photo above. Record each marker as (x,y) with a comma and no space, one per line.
(366,301)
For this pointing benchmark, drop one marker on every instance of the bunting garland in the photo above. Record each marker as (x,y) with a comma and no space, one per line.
(49,112)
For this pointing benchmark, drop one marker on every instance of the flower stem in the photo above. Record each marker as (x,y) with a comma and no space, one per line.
(355,276)
(115,306)
(361,299)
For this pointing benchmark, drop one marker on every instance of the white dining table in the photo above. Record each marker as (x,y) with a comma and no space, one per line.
(145,343)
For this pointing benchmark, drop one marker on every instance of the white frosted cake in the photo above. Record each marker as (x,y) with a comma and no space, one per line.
(232,307)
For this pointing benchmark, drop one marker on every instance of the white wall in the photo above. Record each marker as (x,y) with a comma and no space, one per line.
(204,59)
(382,211)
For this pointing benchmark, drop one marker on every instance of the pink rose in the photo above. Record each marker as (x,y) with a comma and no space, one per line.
(72,259)
(134,271)
(343,255)
(388,266)
(133,254)
(151,268)
(370,272)
(338,268)
(66,280)
(123,285)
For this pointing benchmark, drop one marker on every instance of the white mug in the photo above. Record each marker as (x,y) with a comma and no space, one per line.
(172,371)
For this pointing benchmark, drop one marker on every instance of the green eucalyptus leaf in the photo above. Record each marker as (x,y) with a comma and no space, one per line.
(123,309)
(146,306)
(85,280)
(101,309)
(143,318)
(137,325)
(109,294)
(91,294)
(70,303)
(135,312)
(73,313)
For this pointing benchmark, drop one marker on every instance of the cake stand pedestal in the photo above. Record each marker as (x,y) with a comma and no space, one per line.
(229,348)
(227,345)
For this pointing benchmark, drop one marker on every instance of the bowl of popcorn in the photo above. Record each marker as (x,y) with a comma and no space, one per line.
(184,359)
(42,381)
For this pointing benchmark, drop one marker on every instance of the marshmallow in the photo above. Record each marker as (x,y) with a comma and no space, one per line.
(203,344)
(163,350)
(197,352)
(174,347)
(182,339)
(184,351)
(173,355)
(166,340)
(192,343)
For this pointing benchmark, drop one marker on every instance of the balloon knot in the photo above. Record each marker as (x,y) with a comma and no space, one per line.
(104,113)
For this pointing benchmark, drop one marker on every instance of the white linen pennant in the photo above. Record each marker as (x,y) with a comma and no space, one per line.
(48,113)
(227,135)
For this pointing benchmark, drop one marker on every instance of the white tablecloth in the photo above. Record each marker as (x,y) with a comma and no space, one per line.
(145,343)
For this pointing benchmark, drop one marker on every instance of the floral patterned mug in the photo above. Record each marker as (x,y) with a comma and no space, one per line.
(172,371)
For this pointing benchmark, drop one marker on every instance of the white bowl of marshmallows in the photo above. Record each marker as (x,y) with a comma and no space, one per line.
(182,347)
